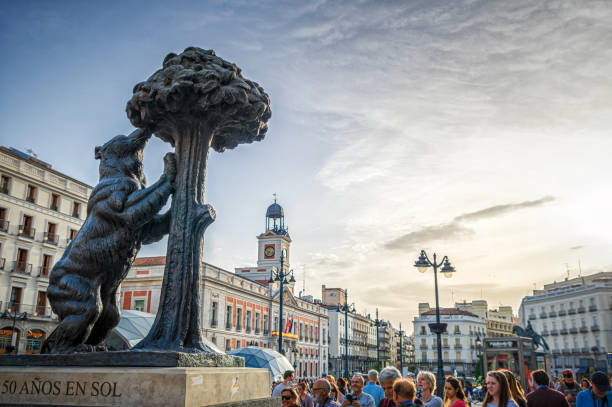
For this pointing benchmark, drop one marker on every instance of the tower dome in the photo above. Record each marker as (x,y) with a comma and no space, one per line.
(275,219)
(275,211)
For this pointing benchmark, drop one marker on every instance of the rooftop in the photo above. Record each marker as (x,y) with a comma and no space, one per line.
(450,311)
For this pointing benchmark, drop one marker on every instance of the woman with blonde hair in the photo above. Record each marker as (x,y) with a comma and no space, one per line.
(516,391)
(427,382)
(498,391)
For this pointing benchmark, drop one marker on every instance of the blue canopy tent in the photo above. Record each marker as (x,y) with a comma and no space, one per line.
(270,359)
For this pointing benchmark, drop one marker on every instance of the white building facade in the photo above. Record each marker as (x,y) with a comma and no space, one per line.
(575,318)
(458,343)
(40,211)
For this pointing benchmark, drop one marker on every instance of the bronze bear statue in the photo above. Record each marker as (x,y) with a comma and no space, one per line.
(122,214)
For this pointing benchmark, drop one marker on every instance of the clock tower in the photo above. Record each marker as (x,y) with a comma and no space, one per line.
(272,244)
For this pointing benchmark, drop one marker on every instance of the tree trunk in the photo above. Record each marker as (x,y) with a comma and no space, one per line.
(177,324)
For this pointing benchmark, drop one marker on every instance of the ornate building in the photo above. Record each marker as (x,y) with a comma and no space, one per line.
(41,210)
(242,308)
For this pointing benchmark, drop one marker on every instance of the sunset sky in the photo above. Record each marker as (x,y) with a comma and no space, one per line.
(478,129)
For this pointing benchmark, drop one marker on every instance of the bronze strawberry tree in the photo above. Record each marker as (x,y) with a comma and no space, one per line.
(194,102)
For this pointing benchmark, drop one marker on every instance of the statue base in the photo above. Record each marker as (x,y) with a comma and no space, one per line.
(135,386)
(125,359)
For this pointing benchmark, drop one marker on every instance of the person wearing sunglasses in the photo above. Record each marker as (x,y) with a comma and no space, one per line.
(290,398)
(321,391)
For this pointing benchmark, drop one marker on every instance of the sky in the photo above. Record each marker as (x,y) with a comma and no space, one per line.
(475,129)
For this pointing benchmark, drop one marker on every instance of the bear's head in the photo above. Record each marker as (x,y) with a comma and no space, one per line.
(122,156)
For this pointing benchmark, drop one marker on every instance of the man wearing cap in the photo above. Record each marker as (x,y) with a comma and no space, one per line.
(599,395)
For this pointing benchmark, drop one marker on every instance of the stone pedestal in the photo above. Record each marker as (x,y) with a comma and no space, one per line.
(134,386)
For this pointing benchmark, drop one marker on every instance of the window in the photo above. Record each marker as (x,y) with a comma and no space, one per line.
(54,204)
(228,317)
(45,268)
(76,209)
(31,194)
(26,228)
(16,299)
(248,321)
(239,319)
(139,305)
(311,337)
(228,345)
(213,314)
(257,327)
(22,260)
(50,235)
(3,222)
(265,324)
(4,184)
(301,331)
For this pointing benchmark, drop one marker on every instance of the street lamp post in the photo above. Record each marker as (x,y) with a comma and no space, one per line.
(281,277)
(438,328)
(377,323)
(401,334)
(345,308)
(15,315)
(479,352)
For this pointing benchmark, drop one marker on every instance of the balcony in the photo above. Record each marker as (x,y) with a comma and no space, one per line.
(50,238)
(21,267)
(584,351)
(30,199)
(238,327)
(552,314)
(576,351)
(26,231)
(4,225)
(543,315)
(581,310)
(213,324)
(584,329)
(458,346)
(571,311)
(248,329)
(545,332)
(257,331)
(567,352)
(592,308)
(594,328)
(573,330)
(54,208)
(563,331)
(228,324)
(4,190)
(531,317)
(266,332)
(562,313)
(43,271)
(30,310)
(554,331)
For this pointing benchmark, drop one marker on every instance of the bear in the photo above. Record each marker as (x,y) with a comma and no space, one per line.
(122,214)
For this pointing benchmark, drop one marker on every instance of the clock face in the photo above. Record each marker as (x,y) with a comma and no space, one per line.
(269,251)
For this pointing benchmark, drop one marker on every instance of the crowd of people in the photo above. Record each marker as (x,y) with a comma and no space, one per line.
(390,389)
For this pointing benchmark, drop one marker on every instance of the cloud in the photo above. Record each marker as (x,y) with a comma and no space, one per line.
(449,231)
(455,230)
(498,210)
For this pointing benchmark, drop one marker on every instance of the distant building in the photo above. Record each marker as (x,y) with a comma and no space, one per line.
(575,318)
(41,210)
(458,343)
(499,321)
(332,296)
